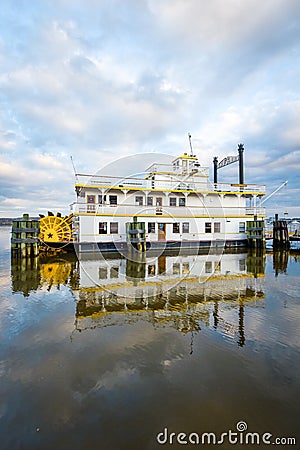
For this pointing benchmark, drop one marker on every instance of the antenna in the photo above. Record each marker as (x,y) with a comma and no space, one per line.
(190,140)
(73,166)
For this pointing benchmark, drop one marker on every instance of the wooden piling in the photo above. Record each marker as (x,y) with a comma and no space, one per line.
(24,237)
(25,274)
(136,235)
(256,260)
(280,233)
(256,233)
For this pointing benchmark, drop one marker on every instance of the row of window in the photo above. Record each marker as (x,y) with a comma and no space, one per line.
(210,267)
(113,227)
(102,199)
(177,227)
(217,227)
(176,269)
(185,227)
(208,227)
(113,272)
(139,200)
(103,272)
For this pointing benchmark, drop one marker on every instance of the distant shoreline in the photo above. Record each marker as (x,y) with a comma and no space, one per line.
(7,221)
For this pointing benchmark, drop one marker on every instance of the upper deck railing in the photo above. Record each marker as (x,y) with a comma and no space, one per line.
(173,183)
(170,169)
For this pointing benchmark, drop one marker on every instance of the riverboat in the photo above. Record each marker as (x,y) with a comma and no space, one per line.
(171,206)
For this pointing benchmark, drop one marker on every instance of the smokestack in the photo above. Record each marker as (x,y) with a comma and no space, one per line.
(215,160)
(241,163)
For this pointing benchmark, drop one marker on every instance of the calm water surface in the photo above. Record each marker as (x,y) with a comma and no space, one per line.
(106,355)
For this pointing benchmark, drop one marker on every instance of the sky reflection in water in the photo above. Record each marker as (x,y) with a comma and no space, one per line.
(82,367)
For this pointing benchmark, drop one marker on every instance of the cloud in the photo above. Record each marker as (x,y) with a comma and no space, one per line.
(99,80)
(239,23)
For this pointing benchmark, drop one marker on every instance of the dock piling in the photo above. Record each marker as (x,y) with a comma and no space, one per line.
(255,233)
(24,237)
(136,235)
(280,233)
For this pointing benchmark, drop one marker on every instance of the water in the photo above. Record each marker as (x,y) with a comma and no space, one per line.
(106,355)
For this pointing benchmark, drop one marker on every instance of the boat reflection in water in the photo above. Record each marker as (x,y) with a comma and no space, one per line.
(186,291)
(183,291)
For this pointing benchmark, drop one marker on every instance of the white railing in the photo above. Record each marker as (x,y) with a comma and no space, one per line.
(166,210)
(177,183)
(255,211)
(156,167)
(170,169)
(233,187)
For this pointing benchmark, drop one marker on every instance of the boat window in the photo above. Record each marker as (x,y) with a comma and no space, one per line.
(208,267)
(242,227)
(151,270)
(151,227)
(139,200)
(182,201)
(176,228)
(185,268)
(217,227)
(114,272)
(102,227)
(176,269)
(207,227)
(113,199)
(185,227)
(101,199)
(173,201)
(102,273)
(114,227)
(90,198)
(150,201)
(242,265)
(80,192)
(217,268)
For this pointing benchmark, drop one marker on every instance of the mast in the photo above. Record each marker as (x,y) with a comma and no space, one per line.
(190,141)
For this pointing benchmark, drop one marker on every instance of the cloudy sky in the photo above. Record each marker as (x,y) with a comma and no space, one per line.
(104,79)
